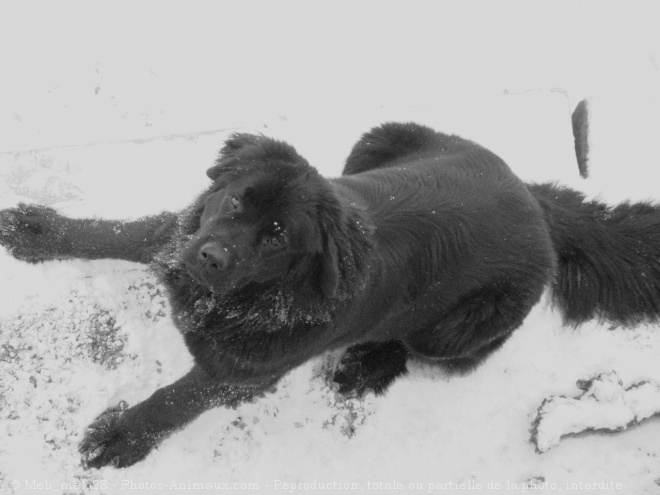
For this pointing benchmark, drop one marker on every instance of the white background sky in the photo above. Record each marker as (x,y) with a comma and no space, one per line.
(80,72)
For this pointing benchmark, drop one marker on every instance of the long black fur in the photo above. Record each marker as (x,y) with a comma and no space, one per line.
(609,257)
(428,247)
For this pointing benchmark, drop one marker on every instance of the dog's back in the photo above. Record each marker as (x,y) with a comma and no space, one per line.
(461,245)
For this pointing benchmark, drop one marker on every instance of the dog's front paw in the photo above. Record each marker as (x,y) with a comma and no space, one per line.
(32,233)
(115,439)
(370,367)
(354,376)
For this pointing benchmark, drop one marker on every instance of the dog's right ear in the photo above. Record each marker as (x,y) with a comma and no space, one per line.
(229,152)
(215,171)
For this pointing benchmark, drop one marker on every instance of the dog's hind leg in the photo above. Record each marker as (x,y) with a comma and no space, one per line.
(372,365)
(387,143)
(476,327)
(37,233)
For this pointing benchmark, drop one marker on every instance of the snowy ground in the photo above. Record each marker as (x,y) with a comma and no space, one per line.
(116,111)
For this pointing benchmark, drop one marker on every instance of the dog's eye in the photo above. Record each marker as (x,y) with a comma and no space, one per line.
(235,202)
(274,241)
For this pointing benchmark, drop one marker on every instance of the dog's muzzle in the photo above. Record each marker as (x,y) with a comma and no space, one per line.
(213,257)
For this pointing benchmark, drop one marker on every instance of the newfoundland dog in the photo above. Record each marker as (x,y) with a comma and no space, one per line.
(428,247)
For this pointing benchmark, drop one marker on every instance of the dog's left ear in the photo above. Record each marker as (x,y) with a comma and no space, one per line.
(229,152)
(329,276)
(331,234)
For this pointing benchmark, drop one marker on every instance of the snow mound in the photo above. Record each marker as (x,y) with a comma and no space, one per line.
(604,405)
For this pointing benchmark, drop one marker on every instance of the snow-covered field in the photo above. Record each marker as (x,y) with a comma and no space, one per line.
(116,110)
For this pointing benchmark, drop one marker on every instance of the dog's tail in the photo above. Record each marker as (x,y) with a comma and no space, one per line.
(608,257)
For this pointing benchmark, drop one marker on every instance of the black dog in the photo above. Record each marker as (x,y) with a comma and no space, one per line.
(428,247)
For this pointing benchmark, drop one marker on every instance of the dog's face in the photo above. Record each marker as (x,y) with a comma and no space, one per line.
(262,221)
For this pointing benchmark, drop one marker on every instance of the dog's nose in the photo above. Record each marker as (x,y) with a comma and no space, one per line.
(214,256)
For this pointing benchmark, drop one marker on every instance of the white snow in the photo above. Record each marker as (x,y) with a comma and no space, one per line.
(604,405)
(116,110)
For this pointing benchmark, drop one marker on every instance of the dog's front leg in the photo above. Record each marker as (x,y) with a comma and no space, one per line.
(37,233)
(122,436)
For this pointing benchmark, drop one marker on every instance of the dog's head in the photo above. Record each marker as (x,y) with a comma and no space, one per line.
(268,217)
